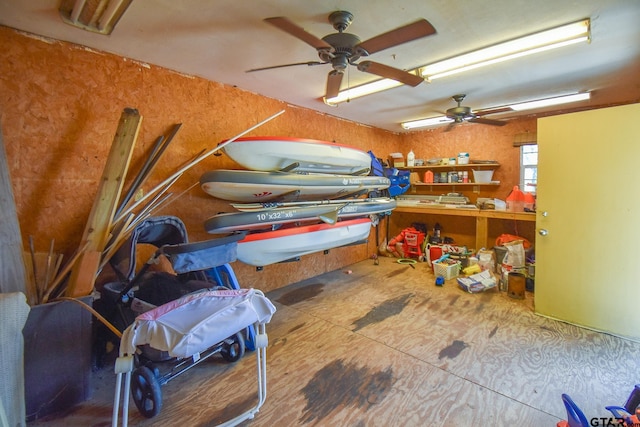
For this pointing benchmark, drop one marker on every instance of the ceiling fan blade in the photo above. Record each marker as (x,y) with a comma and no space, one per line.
(334,79)
(390,73)
(487,121)
(416,30)
(309,63)
(289,27)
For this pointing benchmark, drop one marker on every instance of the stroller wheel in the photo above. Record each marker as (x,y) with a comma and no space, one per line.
(233,348)
(146,392)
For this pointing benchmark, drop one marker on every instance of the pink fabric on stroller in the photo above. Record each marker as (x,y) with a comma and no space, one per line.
(195,322)
(189,326)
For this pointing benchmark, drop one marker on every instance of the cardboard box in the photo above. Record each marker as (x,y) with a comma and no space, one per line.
(477,282)
(396,160)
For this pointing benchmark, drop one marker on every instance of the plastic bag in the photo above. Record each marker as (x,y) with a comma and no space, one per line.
(515,255)
(506,238)
(486,260)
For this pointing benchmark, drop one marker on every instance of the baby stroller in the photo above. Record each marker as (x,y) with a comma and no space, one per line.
(148,296)
(197,266)
(185,328)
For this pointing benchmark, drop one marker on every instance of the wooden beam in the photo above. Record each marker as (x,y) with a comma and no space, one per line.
(98,226)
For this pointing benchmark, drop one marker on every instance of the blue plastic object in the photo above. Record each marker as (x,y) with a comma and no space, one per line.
(439,281)
(575,416)
(633,402)
(400,182)
(224,275)
(376,167)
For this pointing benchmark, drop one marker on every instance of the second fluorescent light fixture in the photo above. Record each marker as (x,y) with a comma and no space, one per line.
(546,40)
(550,101)
(363,90)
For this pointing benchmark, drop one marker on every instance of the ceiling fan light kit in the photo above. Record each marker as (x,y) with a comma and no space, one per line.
(461,113)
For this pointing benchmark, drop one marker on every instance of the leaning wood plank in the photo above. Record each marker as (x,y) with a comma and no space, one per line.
(100,219)
(30,281)
(53,286)
(193,163)
(12,270)
(148,167)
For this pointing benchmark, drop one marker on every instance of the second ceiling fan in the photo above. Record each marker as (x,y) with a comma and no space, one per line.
(462,114)
(343,49)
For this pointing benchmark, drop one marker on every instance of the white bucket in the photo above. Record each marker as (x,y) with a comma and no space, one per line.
(482,177)
(463,158)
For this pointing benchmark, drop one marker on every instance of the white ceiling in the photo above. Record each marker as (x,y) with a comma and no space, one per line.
(220,39)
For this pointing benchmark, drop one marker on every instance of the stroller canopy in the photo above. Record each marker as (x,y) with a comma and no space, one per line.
(157,231)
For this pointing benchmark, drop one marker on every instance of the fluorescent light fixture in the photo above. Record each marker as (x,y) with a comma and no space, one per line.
(546,40)
(362,90)
(97,16)
(540,103)
(432,121)
(554,38)
(550,101)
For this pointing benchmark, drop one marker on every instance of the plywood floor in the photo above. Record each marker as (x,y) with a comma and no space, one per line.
(381,345)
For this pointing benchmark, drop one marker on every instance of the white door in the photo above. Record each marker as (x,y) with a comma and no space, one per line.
(588,219)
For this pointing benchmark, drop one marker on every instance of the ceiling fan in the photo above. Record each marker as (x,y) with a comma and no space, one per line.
(461,114)
(342,49)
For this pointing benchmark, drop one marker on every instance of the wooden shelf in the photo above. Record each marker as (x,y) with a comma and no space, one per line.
(468,166)
(443,168)
(455,184)
(482,213)
(481,218)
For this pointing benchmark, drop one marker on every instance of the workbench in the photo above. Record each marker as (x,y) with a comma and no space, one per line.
(482,218)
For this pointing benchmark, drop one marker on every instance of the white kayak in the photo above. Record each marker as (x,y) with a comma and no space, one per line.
(268,217)
(258,186)
(260,249)
(276,153)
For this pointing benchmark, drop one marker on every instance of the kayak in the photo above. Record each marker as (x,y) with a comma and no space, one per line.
(276,153)
(260,186)
(270,247)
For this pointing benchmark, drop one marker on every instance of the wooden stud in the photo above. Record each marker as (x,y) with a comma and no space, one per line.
(101,217)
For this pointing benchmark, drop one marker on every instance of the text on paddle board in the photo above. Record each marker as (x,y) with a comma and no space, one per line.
(271,216)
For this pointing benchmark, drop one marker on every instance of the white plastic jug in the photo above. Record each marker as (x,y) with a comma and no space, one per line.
(411,159)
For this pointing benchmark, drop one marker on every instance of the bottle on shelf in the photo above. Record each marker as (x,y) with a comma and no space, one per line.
(515,200)
(428,177)
(411,159)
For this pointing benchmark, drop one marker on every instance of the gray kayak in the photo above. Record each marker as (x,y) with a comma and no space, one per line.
(259,186)
(270,217)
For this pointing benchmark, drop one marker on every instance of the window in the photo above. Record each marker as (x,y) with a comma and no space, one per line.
(529,168)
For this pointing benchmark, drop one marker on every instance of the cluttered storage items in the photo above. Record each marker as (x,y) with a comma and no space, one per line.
(508,266)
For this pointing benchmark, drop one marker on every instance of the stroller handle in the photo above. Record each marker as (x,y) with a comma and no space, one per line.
(197,246)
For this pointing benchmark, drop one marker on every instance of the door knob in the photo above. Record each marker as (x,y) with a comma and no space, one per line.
(543,232)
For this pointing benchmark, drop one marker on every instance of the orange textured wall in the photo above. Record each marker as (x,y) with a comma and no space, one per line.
(60,105)
(482,142)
